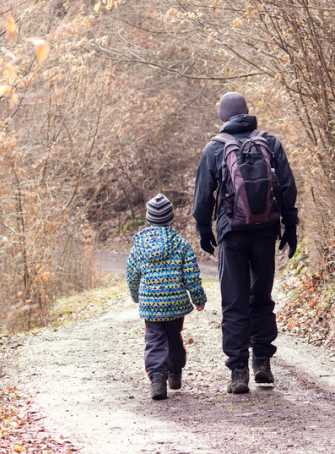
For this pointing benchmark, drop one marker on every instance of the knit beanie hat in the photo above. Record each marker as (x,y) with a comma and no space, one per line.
(159,210)
(232,104)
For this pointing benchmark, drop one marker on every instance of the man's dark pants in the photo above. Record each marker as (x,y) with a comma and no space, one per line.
(246,269)
(164,349)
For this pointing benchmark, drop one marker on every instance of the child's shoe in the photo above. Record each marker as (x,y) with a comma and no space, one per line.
(174,380)
(158,386)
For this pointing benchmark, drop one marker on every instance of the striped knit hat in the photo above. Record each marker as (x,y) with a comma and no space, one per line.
(159,210)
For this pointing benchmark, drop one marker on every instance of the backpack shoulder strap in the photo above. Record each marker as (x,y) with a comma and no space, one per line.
(223,137)
(230,142)
(257,132)
(262,141)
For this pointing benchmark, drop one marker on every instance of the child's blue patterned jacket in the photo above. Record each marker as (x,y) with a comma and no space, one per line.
(161,267)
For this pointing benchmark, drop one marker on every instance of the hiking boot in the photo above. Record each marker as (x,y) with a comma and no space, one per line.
(262,370)
(174,380)
(239,380)
(158,386)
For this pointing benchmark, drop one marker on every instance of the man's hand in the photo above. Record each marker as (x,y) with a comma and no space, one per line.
(200,308)
(290,237)
(208,242)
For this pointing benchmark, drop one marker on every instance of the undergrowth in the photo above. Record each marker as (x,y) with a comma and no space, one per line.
(309,307)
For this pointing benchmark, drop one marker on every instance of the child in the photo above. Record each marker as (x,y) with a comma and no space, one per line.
(161,268)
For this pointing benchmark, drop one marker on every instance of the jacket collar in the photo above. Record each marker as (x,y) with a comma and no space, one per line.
(240,123)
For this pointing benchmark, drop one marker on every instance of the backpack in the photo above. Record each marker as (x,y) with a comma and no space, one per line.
(251,198)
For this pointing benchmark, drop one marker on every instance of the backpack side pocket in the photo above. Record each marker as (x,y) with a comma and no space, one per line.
(228,204)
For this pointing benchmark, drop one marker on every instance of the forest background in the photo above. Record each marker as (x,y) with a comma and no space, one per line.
(103,104)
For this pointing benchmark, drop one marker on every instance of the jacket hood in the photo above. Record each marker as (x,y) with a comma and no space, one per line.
(156,243)
(240,124)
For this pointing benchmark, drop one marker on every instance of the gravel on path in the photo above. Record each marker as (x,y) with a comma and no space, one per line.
(88,381)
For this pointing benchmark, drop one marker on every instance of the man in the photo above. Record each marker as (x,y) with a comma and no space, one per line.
(246,258)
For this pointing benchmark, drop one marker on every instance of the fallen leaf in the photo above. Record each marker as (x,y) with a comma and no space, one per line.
(10,70)
(10,26)
(5,89)
(17,345)
(14,99)
(42,48)
(97,7)
(42,52)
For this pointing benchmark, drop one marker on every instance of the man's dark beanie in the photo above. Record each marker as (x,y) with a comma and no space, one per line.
(232,104)
(159,210)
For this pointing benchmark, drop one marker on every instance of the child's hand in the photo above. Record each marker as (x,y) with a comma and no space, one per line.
(200,308)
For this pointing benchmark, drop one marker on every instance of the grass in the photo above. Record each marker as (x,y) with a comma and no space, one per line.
(79,307)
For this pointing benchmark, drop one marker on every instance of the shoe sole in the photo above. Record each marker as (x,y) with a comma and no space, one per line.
(159,397)
(174,385)
(262,377)
(240,388)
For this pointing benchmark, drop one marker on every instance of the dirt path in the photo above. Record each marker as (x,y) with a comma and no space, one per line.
(116,263)
(88,381)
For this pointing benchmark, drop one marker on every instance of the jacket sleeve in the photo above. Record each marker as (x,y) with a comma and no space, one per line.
(205,186)
(288,189)
(133,275)
(191,277)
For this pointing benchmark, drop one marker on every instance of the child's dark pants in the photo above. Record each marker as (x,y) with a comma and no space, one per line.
(164,348)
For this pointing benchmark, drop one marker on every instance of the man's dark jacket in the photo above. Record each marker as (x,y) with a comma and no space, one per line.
(209,176)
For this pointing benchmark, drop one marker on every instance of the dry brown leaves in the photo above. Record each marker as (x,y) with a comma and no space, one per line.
(21,428)
(310,310)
